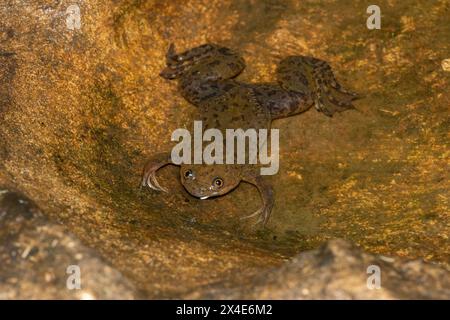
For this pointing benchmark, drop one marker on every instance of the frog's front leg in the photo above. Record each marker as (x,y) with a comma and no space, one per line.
(151,167)
(267,196)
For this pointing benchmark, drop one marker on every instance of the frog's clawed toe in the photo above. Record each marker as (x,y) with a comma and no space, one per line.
(254,214)
(334,99)
(262,213)
(149,178)
(267,198)
(171,56)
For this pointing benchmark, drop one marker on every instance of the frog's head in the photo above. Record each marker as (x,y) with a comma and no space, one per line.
(205,181)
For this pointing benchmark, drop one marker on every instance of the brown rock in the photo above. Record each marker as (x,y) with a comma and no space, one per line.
(339,270)
(37,258)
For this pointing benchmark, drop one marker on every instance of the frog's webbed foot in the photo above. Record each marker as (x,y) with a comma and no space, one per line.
(150,169)
(266,192)
(189,56)
(178,64)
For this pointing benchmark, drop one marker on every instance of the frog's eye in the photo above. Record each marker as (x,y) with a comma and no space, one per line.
(188,174)
(218,183)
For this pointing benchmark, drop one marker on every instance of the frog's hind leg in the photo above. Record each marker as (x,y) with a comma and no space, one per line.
(314,79)
(204,72)
(177,64)
(191,55)
(221,62)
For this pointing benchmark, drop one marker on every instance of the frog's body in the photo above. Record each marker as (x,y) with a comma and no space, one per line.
(234,109)
(206,76)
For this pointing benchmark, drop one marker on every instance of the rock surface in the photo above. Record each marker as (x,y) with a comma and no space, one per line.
(339,270)
(37,259)
(82,107)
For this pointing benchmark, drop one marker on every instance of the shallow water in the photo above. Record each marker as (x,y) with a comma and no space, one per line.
(85,109)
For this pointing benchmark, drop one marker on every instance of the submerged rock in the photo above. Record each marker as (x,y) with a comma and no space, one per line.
(41,260)
(340,270)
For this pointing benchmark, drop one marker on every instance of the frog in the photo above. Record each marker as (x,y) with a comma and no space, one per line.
(207,78)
